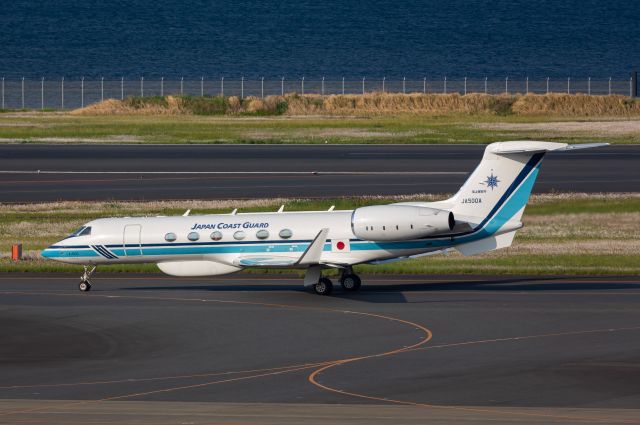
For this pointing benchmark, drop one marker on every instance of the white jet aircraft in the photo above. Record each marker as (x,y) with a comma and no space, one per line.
(484,215)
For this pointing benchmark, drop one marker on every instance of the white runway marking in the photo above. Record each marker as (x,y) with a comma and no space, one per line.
(240,172)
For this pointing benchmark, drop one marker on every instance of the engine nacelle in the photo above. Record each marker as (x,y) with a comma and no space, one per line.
(196,268)
(399,222)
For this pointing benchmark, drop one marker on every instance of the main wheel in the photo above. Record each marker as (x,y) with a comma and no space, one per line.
(323,287)
(84,286)
(350,282)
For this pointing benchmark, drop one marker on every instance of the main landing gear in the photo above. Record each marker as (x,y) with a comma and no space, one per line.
(84,284)
(349,281)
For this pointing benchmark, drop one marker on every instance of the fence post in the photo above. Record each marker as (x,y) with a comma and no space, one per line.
(82,92)
(506,85)
(2,92)
(282,86)
(323,85)
(222,86)
(342,85)
(362,85)
(262,87)
(62,94)
(527,84)
(161,86)
(424,85)
(22,92)
(383,80)
(404,82)
(242,87)
(634,84)
(465,85)
(630,86)
(609,86)
(202,86)
(141,86)
(568,85)
(101,89)
(547,85)
(589,86)
(181,86)
(42,94)
(121,88)
(485,84)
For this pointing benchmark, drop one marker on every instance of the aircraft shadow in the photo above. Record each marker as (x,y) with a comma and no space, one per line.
(394,293)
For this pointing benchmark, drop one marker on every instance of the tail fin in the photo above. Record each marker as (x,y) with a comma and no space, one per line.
(496,193)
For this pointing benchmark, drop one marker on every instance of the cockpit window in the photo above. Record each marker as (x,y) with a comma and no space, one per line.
(83,231)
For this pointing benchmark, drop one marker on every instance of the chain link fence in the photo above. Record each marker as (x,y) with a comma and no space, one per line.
(60,94)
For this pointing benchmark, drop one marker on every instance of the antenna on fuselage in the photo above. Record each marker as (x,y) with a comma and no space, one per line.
(186,213)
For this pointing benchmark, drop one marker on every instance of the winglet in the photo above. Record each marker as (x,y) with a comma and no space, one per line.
(313,252)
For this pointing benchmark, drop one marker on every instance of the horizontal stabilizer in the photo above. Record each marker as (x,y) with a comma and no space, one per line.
(534,147)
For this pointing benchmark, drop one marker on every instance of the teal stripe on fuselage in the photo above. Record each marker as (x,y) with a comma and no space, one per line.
(69,253)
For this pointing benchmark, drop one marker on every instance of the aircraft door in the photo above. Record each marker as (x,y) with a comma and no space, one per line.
(131,240)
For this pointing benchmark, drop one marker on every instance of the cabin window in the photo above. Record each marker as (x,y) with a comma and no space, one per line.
(367,227)
(285,233)
(412,226)
(397,228)
(216,236)
(193,236)
(170,237)
(239,235)
(384,227)
(262,234)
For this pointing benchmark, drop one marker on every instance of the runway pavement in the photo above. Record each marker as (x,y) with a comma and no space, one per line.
(260,349)
(32,173)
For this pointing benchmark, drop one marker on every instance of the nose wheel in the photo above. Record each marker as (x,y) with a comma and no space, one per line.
(85,285)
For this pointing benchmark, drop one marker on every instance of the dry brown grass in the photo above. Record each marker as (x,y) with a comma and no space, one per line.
(555,104)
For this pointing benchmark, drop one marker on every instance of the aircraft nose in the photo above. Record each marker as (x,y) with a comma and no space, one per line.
(50,251)
(47,252)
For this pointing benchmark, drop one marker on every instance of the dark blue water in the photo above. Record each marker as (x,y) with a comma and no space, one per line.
(333,38)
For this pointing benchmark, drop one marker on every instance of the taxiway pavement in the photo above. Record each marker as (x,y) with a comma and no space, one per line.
(260,349)
(37,173)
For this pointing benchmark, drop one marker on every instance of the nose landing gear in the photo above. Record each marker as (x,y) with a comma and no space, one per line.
(84,284)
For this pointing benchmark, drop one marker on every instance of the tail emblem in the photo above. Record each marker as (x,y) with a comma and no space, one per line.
(492,181)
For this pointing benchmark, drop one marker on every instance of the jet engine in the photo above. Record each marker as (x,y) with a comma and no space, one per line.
(399,222)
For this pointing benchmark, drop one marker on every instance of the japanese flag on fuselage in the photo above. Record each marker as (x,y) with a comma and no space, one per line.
(340,245)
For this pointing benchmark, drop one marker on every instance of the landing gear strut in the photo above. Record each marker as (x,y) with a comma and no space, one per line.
(350,281)
(84,284)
